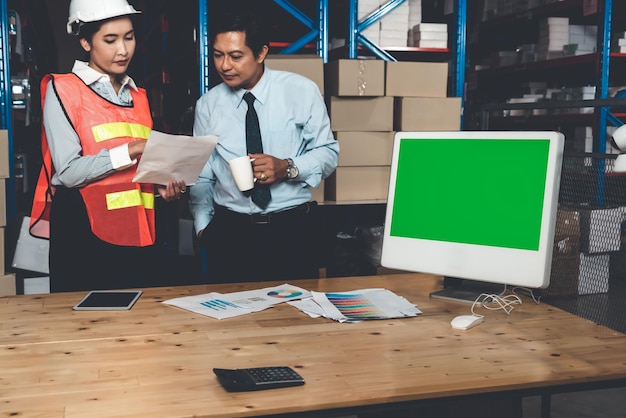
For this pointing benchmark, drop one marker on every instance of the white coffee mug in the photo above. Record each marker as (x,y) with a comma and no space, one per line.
(241,167)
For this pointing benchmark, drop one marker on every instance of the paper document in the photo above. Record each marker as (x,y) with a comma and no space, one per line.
(228,305)
(174,157)
(357,305)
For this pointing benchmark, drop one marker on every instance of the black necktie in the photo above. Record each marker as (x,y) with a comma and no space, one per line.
(261,193)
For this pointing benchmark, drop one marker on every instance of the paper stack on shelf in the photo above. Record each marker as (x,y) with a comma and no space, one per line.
(621,42)
(430,35)
(553,34)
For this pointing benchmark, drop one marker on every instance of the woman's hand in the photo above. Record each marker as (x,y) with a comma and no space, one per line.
(135,148)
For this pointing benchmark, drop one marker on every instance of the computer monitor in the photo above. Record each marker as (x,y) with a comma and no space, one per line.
(474,205)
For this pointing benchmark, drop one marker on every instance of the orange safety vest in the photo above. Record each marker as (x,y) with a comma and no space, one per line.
(120,211)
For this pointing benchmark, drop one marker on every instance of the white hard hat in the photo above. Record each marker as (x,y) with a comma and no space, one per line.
(83,11)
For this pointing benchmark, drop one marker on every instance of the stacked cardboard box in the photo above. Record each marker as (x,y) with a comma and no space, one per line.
(419,90)
(362,120)
(369,100)
(310,66)
(7,280)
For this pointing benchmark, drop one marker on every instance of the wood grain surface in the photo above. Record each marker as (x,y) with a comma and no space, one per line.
(156,360)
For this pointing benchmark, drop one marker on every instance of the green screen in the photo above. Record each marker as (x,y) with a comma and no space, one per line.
(472,191)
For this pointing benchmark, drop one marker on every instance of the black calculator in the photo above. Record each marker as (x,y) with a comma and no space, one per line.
(258,378)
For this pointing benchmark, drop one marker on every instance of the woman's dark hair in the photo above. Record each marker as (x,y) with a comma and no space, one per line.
(239,19)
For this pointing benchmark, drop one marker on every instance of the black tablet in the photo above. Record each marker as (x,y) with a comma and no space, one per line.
(108,300)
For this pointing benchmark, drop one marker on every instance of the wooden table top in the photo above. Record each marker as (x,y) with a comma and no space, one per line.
(156,360)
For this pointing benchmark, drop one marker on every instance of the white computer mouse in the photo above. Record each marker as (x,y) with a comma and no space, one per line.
(466,321)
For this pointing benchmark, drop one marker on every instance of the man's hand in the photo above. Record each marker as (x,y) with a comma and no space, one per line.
(268,169)
(173,191)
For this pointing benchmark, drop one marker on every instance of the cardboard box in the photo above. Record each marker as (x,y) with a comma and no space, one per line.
(361,114)
(358,184)
(2,247)
(365,148)
(3,202)
(317,194)
(7,285)
(4,154)
(416,79)
(355,77)
(427,114)
(309,66)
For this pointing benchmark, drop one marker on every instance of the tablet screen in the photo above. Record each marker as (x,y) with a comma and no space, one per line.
(108,300)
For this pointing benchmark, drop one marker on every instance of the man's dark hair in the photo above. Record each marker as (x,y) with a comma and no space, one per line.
(239,19)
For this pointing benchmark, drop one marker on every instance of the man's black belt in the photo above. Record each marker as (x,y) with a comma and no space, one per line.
(263,218)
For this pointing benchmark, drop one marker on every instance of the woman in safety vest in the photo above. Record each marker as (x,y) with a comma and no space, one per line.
(96,122)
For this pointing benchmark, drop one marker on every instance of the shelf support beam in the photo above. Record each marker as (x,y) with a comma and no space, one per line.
(355,28)
(6,108)
(202,36)
(459,55)
(318,29)
(604,48)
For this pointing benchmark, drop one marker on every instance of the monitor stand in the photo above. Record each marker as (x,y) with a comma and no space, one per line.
(464,290)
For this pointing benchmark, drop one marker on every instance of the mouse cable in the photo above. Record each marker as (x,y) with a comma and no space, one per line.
(528,292)
(496,302)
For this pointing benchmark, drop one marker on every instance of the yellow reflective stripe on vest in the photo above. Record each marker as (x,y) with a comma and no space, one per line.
(128,199)
(108,131)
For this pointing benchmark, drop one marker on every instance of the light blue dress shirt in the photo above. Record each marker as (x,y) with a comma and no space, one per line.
(294,124)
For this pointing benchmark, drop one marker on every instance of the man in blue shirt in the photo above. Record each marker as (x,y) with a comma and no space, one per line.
(267,240)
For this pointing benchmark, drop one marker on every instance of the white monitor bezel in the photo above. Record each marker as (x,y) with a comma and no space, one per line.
(505,266)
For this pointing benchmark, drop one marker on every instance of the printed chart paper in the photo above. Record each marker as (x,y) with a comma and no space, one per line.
(358,305)
(174,157)
(227,305)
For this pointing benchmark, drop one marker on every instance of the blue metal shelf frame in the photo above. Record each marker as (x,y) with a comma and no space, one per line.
(319,30)
(604,46)
(6,110)
(459,57)
(203,45)
(355,37)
